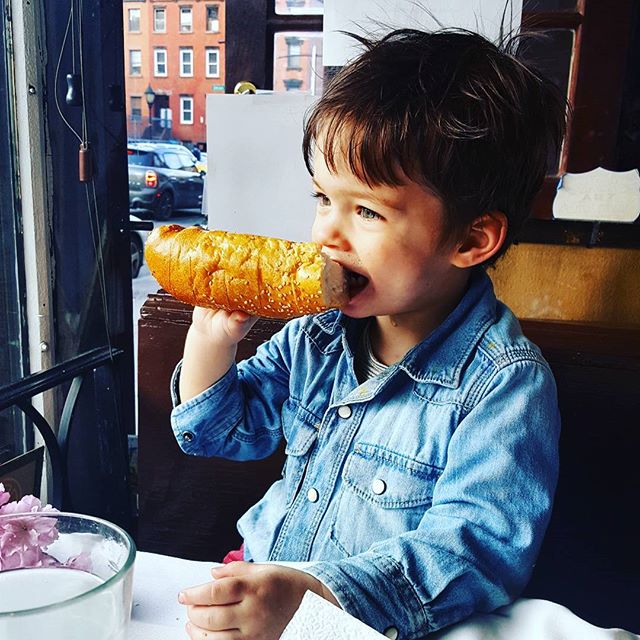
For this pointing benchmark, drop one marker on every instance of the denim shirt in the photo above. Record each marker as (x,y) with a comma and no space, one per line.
(421,494)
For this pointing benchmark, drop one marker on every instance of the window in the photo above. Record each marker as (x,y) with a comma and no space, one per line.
(186,61)
(186,109)
(186,19)
(294,53)
(135,62)
(159,19)
(212,62)
(160,62)
(213,22)
(292,84)
(134,20)
(136,108)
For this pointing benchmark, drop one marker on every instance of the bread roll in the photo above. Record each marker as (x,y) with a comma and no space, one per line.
(263,276)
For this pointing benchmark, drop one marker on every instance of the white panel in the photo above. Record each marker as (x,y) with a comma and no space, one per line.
(256,178)
(380,16)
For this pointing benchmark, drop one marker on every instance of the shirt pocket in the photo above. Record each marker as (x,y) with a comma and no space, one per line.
(300,428)
(385,492)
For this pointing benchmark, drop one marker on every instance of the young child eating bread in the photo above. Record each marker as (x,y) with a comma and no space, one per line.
(420,425)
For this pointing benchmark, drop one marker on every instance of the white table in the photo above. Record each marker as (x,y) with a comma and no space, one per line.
(157,615)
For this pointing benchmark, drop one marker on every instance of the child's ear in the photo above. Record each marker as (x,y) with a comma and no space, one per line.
(483,240)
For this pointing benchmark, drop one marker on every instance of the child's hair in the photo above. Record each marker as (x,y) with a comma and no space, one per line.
(450,110)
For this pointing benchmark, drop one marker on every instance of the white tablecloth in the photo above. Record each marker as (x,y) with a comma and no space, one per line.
(157,615)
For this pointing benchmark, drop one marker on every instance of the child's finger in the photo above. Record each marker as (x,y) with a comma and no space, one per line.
(212,593)
(237,568)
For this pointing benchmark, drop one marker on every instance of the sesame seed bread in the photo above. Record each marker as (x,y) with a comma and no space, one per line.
(262,276)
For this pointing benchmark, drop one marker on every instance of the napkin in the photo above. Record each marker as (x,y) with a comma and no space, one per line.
(318,619)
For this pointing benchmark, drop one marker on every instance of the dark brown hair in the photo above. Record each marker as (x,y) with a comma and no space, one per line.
(449,110)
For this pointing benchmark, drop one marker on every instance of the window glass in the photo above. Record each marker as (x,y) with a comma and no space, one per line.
(136,108)
(212,62)
(140,158)
(186,19)
(213,21)
(13,363)
(297,64)
(134,20)
(551,53)
(159,19)
(186,61)
(548,5)
(159,62)
(135,62)
(300,7)
(186,110)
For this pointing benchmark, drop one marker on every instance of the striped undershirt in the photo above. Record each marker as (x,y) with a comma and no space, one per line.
(366,365)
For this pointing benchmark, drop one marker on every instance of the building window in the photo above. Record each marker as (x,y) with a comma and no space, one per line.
(134,20)
(160,62)
(186,61)
(292,84)
(136,109)
(159,19)
(212,64)
(294,53)
(213,22)
(135,62)
(186,109)
(186,19)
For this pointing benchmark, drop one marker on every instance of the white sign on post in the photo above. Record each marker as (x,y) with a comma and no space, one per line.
(489,18)
(256,178)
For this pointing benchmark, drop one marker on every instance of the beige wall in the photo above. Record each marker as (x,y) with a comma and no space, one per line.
(570,283)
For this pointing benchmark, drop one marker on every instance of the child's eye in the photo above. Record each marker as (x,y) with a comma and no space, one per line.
(368,214)
(321,198)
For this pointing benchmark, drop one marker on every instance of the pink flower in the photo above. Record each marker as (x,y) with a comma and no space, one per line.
(23,539)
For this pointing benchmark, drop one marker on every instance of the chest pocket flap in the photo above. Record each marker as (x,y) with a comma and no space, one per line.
(388,479)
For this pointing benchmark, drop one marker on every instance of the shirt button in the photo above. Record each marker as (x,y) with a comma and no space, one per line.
(187,436)
(391,632)
(378,486)
(344,412)
(313,495)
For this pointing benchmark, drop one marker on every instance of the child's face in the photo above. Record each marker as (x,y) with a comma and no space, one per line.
(390,239)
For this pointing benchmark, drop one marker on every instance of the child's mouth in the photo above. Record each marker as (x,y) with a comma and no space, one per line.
(357,282)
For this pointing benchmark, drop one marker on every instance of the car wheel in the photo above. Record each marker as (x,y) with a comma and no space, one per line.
(164,206)
(137,255)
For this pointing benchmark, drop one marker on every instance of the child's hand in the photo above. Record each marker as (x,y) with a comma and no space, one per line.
(220,326)
(247,601)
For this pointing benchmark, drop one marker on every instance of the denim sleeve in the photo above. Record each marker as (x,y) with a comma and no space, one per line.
(476,546)
(238,417)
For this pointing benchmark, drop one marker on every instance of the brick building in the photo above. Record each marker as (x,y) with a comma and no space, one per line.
(177,48)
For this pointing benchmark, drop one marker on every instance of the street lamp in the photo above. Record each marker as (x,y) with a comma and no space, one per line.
(150,96)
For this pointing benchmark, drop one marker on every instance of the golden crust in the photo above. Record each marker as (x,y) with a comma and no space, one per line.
(263,276)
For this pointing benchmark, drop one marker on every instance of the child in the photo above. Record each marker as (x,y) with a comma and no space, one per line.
(421,427)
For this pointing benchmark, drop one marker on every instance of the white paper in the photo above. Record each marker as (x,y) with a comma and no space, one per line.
(598,195)
(256,178)
(318,619)
(374,17)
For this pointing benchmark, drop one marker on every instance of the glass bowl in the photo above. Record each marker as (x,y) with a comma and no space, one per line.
(64,576)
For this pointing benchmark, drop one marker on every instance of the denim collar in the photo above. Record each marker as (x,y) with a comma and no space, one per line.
(441,356)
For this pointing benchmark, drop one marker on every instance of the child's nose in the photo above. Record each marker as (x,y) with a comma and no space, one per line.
(328,231)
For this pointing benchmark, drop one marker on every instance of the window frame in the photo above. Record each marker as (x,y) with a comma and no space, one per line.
(184,51)
(183,11)
(135,117)
(216,21)
(183,99)
(156,11)
(156,63)
(132,72)
(129,13)
(207,62)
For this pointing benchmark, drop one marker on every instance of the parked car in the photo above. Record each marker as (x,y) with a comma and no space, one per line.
(162,178)
(137,240)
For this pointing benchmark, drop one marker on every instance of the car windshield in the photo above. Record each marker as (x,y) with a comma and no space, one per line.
(178,160)
(140,158)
